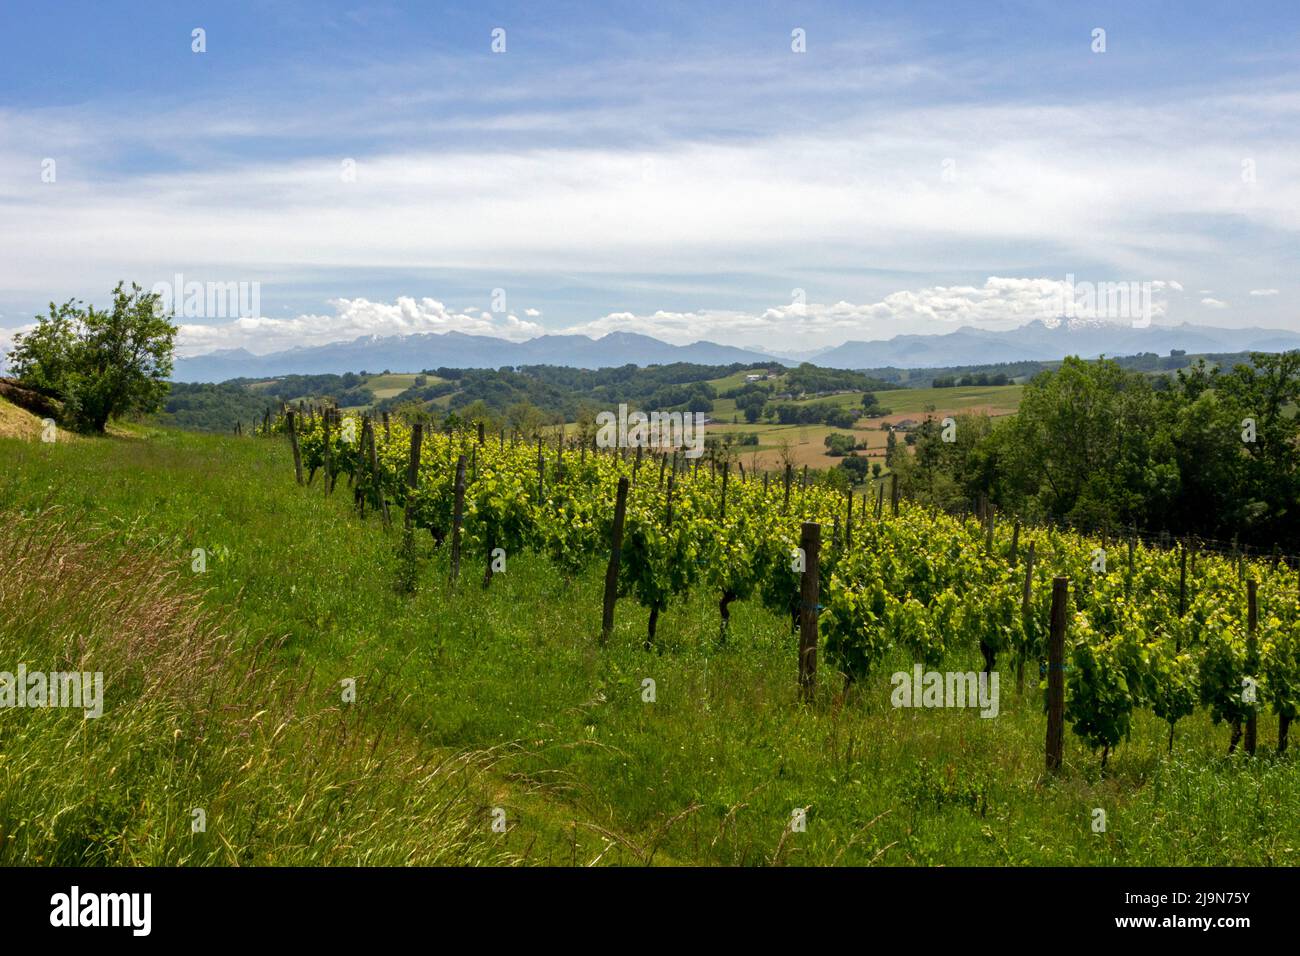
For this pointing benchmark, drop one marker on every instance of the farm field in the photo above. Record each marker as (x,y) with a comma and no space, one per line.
(394,383)
(807,441)
(508,686)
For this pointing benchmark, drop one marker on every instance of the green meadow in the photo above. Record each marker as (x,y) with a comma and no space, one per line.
(227,683)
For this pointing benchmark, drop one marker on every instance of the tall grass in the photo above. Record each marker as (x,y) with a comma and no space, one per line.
(197,718)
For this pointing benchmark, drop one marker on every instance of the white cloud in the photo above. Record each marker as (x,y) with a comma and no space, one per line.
(352,318)
(1000,303)
(1214,303)
(1263,292)
(868,189)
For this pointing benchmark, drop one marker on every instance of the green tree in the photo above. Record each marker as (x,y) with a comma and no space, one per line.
(751,404)
(1080,447)
(528,420)
(101,364)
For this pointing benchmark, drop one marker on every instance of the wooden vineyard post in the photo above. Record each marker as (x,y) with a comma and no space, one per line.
(1015,542)
(413,470)
(293,440)
(880,500)
(457,517)
(374,475)
(1182,592)
(785,506)
(893,491)
(407,575)
(329,460)
(726,469)
(480,433)
(1025,610)
(663,463)
(541,472)
(848,521)
(358,466)
(809,585)
(388,435)
(1128,578)
(636,464)
(615,555)
(1056,675)
(1252,659)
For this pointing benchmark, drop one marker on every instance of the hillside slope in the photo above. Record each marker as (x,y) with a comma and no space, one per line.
(17,422)
(559,733)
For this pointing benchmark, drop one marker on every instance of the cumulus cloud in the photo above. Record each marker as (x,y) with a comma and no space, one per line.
(352,318)
(1263,292)
(1000,303)
(1214,303)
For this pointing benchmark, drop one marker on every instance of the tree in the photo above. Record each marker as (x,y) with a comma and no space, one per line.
(527,419)
(1080,445)
(477,412)
(785,452)
(856,467)
(838,444)
(101,364)
(751,404)
(840,418)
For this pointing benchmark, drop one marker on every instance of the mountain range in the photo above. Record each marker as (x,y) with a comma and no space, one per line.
(1041,342)
(431,350)
(1036,341)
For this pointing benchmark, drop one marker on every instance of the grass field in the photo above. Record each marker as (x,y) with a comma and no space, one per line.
(394,383)
(808,441)
(472,700)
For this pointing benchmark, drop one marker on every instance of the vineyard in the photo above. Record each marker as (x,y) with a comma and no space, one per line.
(1166,630)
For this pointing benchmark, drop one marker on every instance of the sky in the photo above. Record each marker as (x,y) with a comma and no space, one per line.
(783,176)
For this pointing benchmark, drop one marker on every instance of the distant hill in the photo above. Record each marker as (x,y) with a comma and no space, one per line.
(966,346)
(414,353)
(1039,342)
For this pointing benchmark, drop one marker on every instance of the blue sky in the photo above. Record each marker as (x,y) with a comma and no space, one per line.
(650,167)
